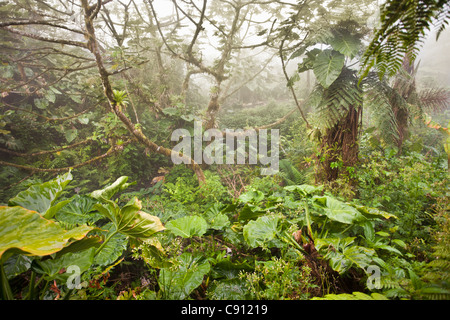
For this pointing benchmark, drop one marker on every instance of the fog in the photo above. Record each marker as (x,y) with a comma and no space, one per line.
(434,59)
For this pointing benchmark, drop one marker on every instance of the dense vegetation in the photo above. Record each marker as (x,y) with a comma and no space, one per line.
(93,206)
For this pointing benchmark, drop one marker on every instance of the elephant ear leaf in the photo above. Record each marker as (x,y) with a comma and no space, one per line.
(136,223)
(346,43)
(338,211)
(130,220)
(42,197)
(29,232)
(188,226)
(328,66)
(108,192)
(262,230)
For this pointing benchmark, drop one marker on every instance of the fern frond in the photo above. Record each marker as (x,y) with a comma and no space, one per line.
(435,99)
(403,28)
(442,19)
(338,99)
(376,100)
(290,174)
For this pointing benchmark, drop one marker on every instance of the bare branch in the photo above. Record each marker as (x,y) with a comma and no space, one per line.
(111,151)
(108,91)
(38,22)
(291,88)
(49,118)
(40,153)
(46,39)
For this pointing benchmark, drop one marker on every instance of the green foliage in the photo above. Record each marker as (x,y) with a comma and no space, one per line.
(353,296)
(403,186)
(342,255)
(261,231)
(237,235)
(120,97)
(178,282)
(188,226)
(290,174)
(38,235)
(80,210)
(55,249)
(42,197)
(327,67)
(278,279)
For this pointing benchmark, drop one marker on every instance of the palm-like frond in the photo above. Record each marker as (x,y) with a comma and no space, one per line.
(337,99)
(434,99)
(377,100)
(403,27)
(442,19)
(290,174)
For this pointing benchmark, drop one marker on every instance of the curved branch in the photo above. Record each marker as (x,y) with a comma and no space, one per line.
(267,126)
(291,88)
(40,153)
(48,118)
(46,39)
(39,22)
(112,150)
(114,107)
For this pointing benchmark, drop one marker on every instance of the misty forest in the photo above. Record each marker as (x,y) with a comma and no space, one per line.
(224,150)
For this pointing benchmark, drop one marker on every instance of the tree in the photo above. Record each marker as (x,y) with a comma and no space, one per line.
(48,61)
(336,98)
(232,29)
(405,102)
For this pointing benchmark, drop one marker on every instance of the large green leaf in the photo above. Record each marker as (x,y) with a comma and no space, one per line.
(304,189)
(338,211)
(342,255)
(178,283)
(79,211)
(372,213)
(130,220)
(219,222)
(250,211)
(328,66)
(345,43)
(16,265)
(42,197)
(29,232)
(262,230)
(253,196)
(56,269)
(105,194)
(113,248)
(188,226)
(70,134)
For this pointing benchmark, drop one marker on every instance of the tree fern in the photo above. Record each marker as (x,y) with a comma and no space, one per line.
(443,18)
(337,99)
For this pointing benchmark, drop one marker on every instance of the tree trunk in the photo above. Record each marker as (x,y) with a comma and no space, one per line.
(339,148)
(108,91)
